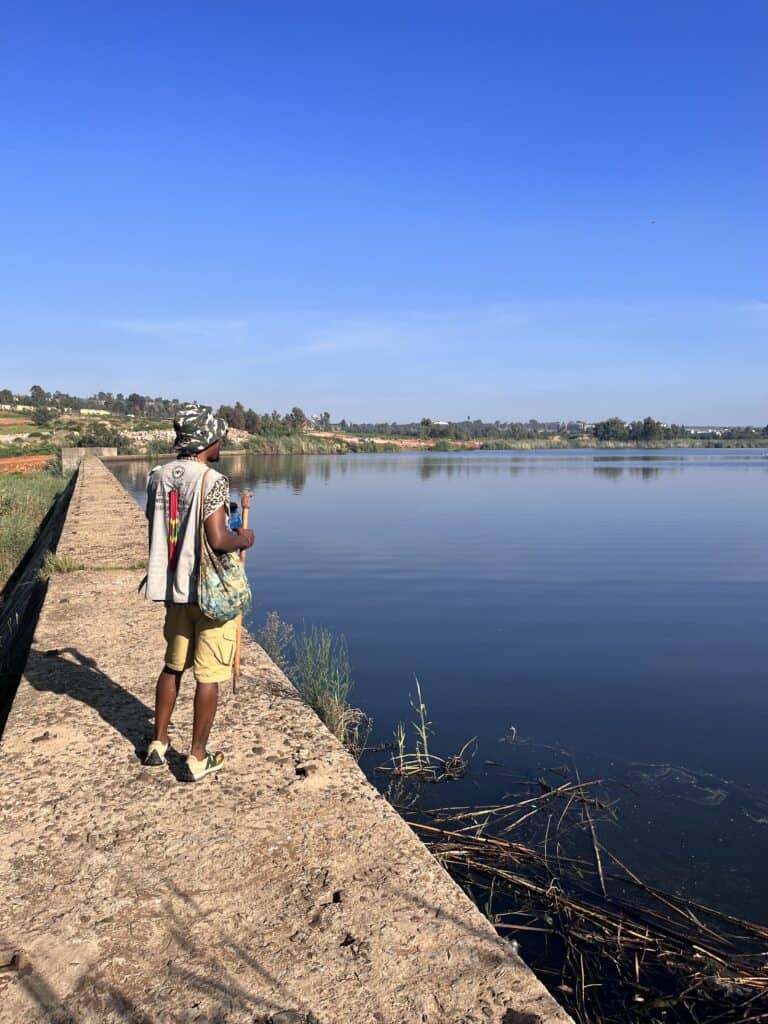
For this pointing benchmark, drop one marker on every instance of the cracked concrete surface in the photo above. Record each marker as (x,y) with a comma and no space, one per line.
(260,894)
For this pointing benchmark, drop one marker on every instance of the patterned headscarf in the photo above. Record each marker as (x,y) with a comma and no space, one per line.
(197,429)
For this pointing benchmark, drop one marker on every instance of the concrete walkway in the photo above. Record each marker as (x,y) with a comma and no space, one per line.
(259,895)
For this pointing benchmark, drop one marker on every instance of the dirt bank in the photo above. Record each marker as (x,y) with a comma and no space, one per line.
(24,463)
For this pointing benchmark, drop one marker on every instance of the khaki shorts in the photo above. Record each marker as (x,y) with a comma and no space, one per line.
(195,641)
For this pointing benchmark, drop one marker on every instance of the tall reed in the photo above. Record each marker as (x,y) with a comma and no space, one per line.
(317,662)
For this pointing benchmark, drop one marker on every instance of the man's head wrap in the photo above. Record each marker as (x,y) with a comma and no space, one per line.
(197,429)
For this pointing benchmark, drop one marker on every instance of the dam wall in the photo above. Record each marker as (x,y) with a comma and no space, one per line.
(285,889)
(21,600)
(72,457)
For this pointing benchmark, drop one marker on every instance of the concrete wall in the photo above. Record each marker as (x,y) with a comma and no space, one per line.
(71,457)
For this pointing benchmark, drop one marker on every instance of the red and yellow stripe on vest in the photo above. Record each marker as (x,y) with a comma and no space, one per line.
(173,528)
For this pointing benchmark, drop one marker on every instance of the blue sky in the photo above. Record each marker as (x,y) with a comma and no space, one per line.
(389,210)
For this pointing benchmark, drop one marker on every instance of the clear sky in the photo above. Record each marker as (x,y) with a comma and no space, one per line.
(389,210)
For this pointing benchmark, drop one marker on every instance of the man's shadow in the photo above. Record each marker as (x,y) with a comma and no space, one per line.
(67,671)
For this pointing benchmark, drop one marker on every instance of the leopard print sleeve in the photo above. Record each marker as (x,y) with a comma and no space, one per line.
(217,494)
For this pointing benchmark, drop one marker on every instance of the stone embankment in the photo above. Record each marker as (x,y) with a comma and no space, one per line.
(285,889)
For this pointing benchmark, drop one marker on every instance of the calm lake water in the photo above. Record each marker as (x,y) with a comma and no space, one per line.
(610,606)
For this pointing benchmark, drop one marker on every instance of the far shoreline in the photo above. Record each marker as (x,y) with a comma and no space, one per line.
(412,446)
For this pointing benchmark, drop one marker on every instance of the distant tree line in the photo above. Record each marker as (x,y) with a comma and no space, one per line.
(649,429)
(119,404)
(46,405)
(461,430)
(271,424)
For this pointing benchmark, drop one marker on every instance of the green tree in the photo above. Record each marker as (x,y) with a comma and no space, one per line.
(102,435)
(237,419)
(296,418)
(651,429)
(252,422)
(612,429)
(37,396)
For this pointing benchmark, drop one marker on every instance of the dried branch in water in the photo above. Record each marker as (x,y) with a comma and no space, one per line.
(612,948)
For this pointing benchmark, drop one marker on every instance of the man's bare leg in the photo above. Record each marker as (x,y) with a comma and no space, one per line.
(206,702)
(166,692)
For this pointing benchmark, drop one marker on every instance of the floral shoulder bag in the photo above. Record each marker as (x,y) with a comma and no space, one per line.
(223,592)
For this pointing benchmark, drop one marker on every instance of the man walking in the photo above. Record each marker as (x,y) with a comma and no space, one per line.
(174,495)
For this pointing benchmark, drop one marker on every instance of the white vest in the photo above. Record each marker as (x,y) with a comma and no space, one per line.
(179,585)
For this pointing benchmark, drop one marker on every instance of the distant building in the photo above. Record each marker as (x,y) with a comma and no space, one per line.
(95,412)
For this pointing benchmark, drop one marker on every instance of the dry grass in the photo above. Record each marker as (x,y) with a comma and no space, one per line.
(54,564)
(24,502)
(613,949)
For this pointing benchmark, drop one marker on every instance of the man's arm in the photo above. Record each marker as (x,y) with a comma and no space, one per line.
(219,536)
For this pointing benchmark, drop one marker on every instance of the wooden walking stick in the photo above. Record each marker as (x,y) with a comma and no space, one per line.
(245,498)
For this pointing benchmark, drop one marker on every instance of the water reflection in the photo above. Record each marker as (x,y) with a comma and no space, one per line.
(294,471)
(609,472)
(643,472)
(242,470)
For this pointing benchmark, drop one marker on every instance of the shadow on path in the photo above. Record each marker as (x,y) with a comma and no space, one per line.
(67,671)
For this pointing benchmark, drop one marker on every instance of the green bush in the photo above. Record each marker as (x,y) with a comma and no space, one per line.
(366,447)
(158,447)
(20,447)
(100,435)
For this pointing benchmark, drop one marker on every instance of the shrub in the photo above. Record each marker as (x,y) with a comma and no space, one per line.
(318,664)
(41,417)
(158,447)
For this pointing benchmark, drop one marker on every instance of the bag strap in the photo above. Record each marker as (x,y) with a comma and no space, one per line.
(202,505)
